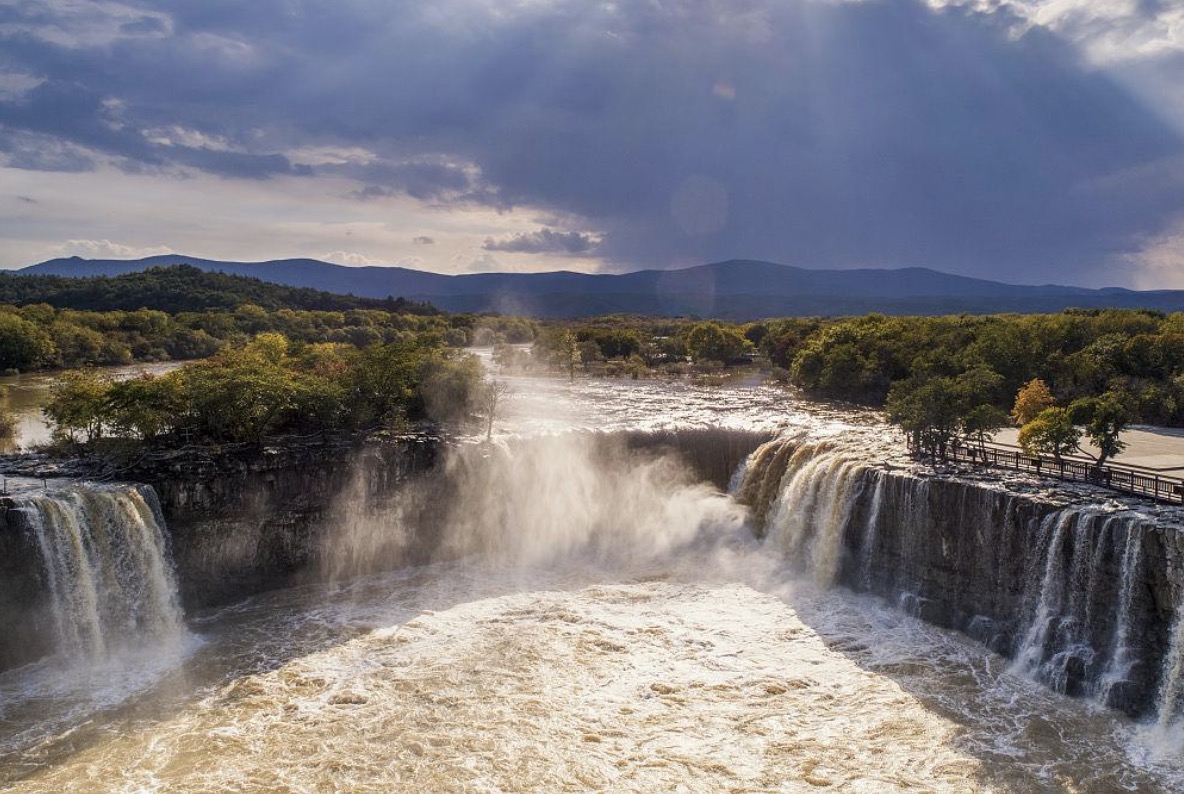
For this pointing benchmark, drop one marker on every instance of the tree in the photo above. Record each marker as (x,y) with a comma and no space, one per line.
(713,342)
(982,422)
(450,387)
(23,344)
(1032,398)
(569,353)
(143,407)
(1051,432)
(489,399)
(7,418)
(78,403)
(7,424)
(935,410)
(930,411)
(1105,418)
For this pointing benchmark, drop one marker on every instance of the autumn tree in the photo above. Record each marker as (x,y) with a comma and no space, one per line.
(1032,398)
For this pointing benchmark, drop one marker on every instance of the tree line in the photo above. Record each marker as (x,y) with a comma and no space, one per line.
(272,386)
(39,336)
(184,288)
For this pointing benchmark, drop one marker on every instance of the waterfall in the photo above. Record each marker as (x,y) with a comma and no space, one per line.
(810,502)
(1067,593)
(1042,654)
(1171,684)
(106,567)
(867,545)
(1122,653)
(572,497)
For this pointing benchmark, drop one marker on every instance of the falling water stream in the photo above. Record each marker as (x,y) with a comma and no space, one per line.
(598,621)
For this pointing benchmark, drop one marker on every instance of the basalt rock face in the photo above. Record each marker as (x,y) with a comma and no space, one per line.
(254,519)
(1080,599)
(712,454)
(26,618)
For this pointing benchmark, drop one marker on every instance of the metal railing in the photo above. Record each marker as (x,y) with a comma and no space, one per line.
(1124,479)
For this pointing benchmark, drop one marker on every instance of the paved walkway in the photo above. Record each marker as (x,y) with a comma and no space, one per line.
(1159,449)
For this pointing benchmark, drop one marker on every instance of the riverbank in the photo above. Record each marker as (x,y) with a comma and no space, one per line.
(25,395)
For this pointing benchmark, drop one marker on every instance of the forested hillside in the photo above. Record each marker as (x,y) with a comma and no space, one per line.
(182,288)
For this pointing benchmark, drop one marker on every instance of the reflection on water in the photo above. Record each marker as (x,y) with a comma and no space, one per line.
(25,396)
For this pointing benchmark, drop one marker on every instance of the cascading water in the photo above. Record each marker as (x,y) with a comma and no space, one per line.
(808,518)
(867,544)
(1061,591)
(106,565)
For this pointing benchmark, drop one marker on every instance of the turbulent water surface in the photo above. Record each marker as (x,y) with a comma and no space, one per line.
(609,625)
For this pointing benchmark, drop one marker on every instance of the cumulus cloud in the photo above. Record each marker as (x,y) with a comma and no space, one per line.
(544,241)
(349,258)
(105,249)
(1015,139)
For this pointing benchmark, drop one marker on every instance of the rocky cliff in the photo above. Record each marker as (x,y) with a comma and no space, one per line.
(1081,598)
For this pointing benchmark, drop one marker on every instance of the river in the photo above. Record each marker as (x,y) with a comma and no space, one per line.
(611,625)
(25,395)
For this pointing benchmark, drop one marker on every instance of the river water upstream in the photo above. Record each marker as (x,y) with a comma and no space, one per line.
(621,630)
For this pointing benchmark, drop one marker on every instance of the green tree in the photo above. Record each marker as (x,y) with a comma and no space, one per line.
(143,407)
(929,411)
(24,345)
(1105,418)
(937,409)
(982,422)
(78,404)
(451,387)
(1051,432)
(713,342)
(569,353)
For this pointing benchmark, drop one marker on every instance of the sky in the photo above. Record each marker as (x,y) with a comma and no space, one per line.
(1029,141)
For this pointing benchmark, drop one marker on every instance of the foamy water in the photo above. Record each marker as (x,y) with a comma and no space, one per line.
(710,673)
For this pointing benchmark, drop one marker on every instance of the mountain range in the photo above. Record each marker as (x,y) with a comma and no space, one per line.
(736,289)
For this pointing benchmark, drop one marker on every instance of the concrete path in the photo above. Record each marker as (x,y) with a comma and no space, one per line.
(1160,449)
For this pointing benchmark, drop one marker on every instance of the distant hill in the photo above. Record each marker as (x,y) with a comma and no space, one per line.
(737,289)
(177,288)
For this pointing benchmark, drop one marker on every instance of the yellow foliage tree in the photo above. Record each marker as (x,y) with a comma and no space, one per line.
(1032,398)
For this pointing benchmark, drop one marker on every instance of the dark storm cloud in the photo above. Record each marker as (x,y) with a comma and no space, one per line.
(544,241)
(823,134)
(424,181)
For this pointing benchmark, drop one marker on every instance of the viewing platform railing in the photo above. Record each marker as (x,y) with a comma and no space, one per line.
(1125,479)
